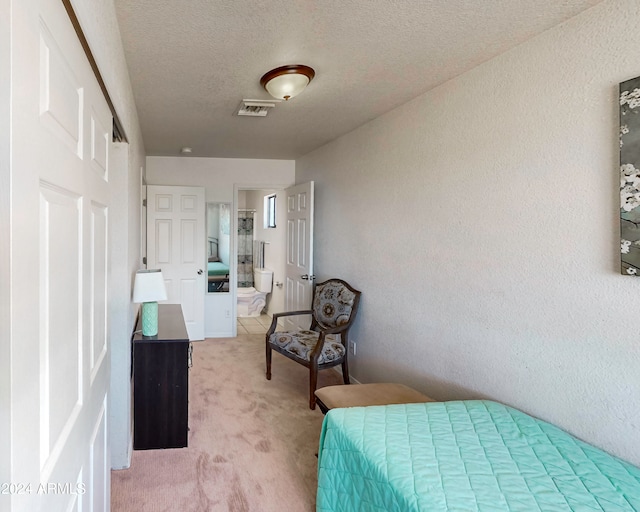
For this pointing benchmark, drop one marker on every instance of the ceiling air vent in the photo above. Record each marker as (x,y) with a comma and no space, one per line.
(255,108)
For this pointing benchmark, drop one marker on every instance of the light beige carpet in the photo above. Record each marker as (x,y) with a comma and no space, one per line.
(252,442)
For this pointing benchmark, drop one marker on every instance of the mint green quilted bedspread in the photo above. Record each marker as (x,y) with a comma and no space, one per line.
(466,456)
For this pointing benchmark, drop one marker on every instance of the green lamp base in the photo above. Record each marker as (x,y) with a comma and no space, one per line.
(149,318)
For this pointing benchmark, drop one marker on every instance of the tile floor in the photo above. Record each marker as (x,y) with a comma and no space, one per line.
(254,325)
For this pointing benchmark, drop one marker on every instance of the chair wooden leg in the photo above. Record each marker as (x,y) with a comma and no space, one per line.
(345,360)
(313,382)
(268,347)
(345,371)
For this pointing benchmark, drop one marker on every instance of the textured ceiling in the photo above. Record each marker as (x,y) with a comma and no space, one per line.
(192,62)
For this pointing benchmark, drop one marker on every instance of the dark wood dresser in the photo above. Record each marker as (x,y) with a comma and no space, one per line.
(161,383)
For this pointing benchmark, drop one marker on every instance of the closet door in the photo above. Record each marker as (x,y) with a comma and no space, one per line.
(60,189)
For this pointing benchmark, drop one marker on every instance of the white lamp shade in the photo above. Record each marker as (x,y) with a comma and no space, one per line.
(287,86)
(149,286)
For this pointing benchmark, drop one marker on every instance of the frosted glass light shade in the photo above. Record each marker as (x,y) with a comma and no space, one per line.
(287,86)
(287,81)
(149,286)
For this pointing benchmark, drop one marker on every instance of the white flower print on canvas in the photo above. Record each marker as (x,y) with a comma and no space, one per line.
(629,146)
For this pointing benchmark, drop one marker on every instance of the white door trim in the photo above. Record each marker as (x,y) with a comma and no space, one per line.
(234,257)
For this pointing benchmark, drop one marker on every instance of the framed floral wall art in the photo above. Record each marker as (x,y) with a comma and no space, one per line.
(630,176)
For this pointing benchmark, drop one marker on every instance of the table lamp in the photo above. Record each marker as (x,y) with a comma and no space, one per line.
(149,288)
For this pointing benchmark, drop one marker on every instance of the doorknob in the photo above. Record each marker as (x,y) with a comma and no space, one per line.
(199,271)
(307,277)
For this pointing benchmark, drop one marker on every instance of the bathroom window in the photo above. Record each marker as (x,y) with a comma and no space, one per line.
(270,211)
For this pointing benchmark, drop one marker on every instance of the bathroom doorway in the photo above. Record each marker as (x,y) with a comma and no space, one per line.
(260,241)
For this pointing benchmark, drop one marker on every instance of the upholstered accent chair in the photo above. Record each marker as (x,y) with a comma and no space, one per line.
(326,343)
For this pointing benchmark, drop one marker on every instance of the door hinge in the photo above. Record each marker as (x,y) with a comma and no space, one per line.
(144,260)
(144,202)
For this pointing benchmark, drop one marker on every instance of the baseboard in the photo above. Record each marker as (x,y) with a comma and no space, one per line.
(352,379)
(224,334)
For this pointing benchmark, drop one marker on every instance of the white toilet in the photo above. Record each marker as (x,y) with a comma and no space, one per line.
(251,301)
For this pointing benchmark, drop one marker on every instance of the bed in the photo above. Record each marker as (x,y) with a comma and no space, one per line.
(218,275)
(467,456)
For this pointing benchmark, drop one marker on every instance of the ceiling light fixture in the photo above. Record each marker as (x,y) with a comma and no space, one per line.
(186,150)
(286,82)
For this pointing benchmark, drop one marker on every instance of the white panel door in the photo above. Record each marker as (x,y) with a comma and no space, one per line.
(176,245)
(299,267)
(60,189)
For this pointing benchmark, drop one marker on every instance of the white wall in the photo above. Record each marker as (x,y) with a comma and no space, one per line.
(124,260)
(481,222)
(99,24)
(5,232)
(220,177)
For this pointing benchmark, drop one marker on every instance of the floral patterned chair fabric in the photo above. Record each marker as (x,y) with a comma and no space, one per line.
(301,343)
(332,304)
(325,344)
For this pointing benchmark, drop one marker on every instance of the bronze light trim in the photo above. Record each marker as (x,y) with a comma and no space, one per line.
(293,69)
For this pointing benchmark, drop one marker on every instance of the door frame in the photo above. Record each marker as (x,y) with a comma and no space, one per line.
(233,279)
(122,321)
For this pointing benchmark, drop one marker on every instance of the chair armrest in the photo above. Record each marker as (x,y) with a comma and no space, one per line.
(334,330)
(290,313)
(315,353)
(274,320)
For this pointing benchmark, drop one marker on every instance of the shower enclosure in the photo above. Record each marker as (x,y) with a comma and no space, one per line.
(245,248)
